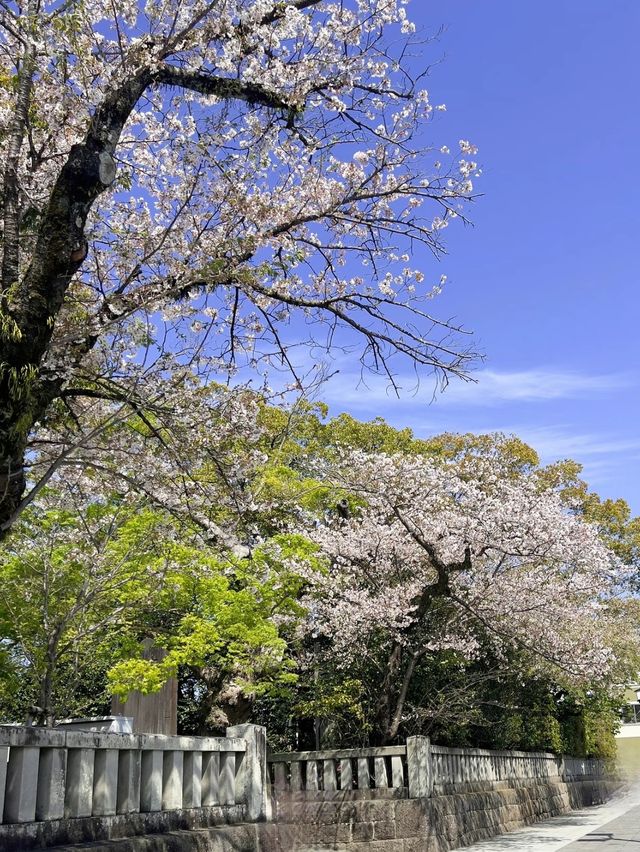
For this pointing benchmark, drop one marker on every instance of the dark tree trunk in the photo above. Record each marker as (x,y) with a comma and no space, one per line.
(385,704)
(30,306)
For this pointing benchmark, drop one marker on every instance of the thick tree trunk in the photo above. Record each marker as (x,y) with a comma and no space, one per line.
(30,305)
(11,185)
(393,695)
(386,701)
(28,309)
(47,715)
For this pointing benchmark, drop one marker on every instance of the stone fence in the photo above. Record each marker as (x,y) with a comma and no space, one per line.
(59,785)
(418,769)
(62,786)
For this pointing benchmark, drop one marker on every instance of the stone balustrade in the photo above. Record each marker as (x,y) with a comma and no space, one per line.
(57,777)
(420,769)
(341,769)
(459,766)
(61,786)
(579,768)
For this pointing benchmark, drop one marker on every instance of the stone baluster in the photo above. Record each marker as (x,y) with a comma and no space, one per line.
(129,768)
(312,775)
(192,789)
(364,780)
(21,791)
(151,781)
(105,782)
(346,774)
(228,778)
(397,772)
(52,775)
(172,779)
(280,776)
(380,773)
(211,778)
(79,793)
(329,779)
(296,777)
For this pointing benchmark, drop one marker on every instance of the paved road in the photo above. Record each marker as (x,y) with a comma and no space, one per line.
(619,835)
(613,827)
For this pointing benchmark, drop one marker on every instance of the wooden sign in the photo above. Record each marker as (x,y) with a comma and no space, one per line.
(152,714)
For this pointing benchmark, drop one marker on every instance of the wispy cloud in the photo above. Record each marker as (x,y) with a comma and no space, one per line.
(489,388)
(603,456)
(536,385)
(560,413)
(560,441)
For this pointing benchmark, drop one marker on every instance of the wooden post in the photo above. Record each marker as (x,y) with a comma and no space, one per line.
(156,713)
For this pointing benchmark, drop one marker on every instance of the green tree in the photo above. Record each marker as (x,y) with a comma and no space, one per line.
(81,588)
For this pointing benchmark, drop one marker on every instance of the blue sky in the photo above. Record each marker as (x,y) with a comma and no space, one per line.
(548,276)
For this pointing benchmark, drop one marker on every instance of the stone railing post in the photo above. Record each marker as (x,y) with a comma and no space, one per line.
(251,785)
(561,768)
(420,767)
(4,757)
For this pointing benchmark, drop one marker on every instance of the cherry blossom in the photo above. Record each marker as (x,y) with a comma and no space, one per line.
(225,181)
(435,555)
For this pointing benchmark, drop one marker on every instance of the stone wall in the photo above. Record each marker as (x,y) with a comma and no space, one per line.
(436,824)
(386,823)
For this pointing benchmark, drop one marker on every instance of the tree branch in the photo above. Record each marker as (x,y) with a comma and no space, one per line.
(221,87)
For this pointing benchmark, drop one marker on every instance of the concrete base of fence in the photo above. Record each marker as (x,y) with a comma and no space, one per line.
(63,833)
(436,824)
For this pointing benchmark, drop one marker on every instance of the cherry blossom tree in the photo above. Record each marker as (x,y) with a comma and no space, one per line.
(432,558)
(217,179)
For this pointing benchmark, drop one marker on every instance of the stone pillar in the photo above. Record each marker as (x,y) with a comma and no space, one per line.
(192,788)
(151,781)
(105,782)
(21,786)
(4,756)
(172,774)
(52,773)
(79,795)
(419,767)
(253,770)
